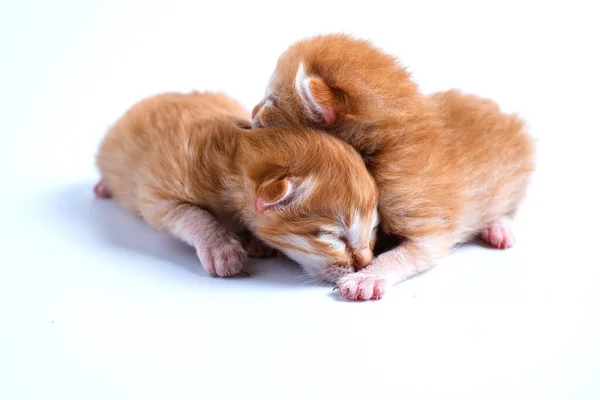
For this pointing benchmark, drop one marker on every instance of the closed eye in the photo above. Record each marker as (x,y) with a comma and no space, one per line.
(333,240)
(328,232)
(271,101)
(374,232)
(335,234)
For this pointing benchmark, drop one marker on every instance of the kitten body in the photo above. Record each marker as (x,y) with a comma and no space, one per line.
(449,166)
(183,163)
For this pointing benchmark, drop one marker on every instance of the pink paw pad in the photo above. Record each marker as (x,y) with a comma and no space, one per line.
(361,287)
(101,191)
(498,234)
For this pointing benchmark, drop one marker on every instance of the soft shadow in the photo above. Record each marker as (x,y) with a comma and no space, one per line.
(106,221)
(385,242)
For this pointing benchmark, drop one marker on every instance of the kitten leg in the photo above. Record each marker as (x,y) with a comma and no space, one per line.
(219,250)
(256,248)
(101,190)
(408,259)
(499,234)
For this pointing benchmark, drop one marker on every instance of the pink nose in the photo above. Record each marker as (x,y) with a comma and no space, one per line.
(362,259)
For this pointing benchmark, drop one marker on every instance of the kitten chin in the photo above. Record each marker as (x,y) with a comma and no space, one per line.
(450,166)
(190,165)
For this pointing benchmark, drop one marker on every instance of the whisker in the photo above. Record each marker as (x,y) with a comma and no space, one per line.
(311,279)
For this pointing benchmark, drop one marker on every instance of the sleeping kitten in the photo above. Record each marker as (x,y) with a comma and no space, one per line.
(183,163)
(449,167)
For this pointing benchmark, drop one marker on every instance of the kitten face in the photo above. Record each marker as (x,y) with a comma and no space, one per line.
(333,82)
(314,200)
(320,233)
(293,95)
(278,107)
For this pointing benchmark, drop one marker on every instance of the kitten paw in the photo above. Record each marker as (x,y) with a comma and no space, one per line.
(498,234)
(101,190)
(224,257)
(359,286)
(256,248)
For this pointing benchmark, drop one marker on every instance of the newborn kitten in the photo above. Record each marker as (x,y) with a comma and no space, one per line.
(449,167)
(183,163)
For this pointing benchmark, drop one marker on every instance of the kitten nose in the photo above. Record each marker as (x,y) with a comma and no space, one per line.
(362,258)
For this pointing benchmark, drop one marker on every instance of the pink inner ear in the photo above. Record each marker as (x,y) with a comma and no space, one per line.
(261,205)
(329,115)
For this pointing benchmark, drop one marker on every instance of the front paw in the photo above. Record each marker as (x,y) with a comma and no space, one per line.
(362,286)
(224,256)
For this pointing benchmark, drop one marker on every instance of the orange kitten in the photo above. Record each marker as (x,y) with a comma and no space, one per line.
(183,163)
(449,167)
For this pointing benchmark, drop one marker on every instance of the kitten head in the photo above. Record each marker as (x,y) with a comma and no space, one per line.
(333,82)
(313,199)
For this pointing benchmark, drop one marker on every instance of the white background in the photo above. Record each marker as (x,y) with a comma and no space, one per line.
(95,305)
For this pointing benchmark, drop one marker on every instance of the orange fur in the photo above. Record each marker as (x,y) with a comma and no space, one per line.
(185,164)
(447,165)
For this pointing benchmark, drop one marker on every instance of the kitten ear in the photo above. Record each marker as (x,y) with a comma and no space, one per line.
(317,97)
(273,192)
